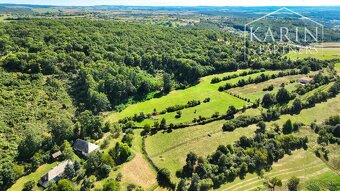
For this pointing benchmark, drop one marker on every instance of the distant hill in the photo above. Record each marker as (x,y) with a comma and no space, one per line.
(15,10)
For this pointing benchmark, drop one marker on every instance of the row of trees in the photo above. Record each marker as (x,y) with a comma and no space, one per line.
(317,97)
(247,155)
(261,78)
(225,78)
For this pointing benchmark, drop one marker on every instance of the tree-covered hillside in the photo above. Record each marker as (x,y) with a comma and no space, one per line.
(110,62)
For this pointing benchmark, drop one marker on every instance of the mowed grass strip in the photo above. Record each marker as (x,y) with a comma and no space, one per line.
(220,101)
(169,150)
(138,171)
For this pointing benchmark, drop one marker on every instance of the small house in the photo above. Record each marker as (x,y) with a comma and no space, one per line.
(85,148)
(56,154)
(54,175)
(305,80)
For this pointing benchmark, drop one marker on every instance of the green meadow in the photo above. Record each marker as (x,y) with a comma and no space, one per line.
(219,101)
(169,150)
(325,53)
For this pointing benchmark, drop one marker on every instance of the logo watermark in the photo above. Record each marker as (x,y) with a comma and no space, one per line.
(282,31)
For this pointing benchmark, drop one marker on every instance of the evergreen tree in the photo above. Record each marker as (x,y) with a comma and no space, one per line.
(69,171)
(287,127)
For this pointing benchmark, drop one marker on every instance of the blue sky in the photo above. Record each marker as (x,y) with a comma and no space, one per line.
(180,2)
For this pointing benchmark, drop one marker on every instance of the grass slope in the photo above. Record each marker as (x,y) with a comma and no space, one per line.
(255,91)
(220,101)
(329,51)
(169,150)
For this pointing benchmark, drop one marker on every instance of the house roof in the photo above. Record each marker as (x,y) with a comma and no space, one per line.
(83,146)
(305,79)
(56,154)
(56,171)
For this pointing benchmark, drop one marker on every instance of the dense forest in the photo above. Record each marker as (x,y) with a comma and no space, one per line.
(110,63)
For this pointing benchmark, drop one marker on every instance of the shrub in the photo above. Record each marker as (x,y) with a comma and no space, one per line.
(28,186)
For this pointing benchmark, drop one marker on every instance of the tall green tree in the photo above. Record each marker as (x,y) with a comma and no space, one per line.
(91,126)
(283,95)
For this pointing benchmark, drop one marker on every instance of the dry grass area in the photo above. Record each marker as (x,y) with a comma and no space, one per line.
(139,172)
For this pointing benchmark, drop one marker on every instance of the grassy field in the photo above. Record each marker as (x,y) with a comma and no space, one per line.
(255,91)
(220,101)
(169,150)
(19,184)
(329,51)
(302,164)
(319,113)
(337,68)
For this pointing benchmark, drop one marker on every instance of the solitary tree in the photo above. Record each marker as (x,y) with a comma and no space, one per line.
(287,127)
(273,182)
(231,110)
(167,83)
(28,186)
(163,177)
(181,185)
(194,186)
(282,96)
(293,183)
(163,124)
